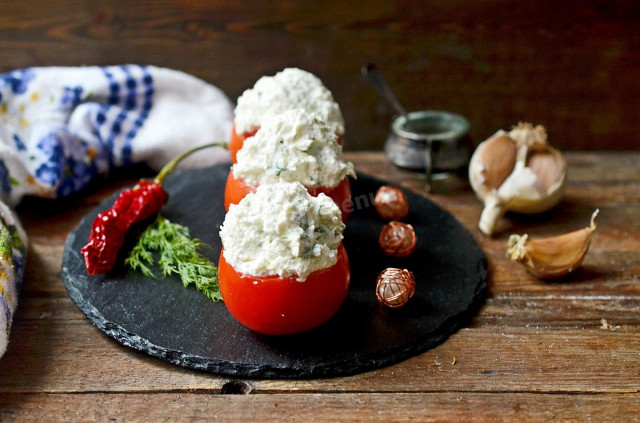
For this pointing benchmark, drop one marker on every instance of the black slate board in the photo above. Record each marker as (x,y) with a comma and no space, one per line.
(180,325)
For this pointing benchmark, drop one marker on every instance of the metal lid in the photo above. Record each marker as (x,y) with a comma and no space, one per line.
(434,125)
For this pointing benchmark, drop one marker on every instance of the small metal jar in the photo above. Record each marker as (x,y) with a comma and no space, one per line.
(431,141)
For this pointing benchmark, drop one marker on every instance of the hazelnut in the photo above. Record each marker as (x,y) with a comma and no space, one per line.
(395,287)
(391,203)
(397,239)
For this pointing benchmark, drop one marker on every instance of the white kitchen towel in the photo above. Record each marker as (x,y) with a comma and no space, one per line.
(62,126)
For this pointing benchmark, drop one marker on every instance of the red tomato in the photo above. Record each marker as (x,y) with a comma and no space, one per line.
(236,189)
(273,305)
(237,141)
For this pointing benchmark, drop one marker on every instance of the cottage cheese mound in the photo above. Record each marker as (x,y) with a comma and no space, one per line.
(286,90)
(282,230)
(293,147)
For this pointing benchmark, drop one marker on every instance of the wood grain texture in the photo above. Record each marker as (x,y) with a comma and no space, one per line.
(74,357)
(541,351)
(405,407)
(573,67)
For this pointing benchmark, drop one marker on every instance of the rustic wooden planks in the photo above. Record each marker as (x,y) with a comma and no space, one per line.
(572,67)
(58,356)
(543,350)
(403,407)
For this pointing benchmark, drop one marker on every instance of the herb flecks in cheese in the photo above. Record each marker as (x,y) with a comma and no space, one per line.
(289,89)
(282,230)
(293,147)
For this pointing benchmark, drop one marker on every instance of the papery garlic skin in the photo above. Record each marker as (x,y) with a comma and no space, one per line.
(491,163)
(501,177)
(522,184)
(555,257)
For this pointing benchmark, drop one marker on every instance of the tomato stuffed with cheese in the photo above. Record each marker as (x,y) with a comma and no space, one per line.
(283,268)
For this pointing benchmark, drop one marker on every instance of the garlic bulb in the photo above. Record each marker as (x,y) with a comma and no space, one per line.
(516,171)
(552,258)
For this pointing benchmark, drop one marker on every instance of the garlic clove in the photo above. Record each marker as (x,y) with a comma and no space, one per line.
(550,170)
(496,158)
(555,257)
(516,171)
(548,167)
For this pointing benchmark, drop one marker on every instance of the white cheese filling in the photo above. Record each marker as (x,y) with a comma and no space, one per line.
(282,230)
(288,89)
(293,147)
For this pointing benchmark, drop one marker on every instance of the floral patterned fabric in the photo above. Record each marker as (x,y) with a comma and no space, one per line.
(60,127)
(13,242)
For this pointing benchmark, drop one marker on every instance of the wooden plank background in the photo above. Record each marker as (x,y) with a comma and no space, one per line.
(573,65)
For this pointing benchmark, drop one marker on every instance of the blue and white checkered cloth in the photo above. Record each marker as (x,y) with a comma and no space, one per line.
(60,127)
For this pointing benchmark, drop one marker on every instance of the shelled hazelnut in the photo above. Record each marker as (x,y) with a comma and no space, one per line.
(391,203)
(397,239)
(395,287)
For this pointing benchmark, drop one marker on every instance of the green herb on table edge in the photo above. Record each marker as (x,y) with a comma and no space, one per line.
(178,254)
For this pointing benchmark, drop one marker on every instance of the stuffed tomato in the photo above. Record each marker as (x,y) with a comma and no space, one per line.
(288,89)
(237,141)
(283,268)
(292,147)
(236,189)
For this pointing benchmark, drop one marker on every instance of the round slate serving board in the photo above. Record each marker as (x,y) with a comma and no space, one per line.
(180,325)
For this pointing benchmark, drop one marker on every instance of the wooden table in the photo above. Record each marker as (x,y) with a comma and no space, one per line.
(545,351)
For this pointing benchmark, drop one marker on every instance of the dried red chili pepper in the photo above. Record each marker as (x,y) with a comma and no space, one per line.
(132,206)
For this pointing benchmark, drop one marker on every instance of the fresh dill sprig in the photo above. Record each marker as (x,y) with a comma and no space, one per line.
(178,254)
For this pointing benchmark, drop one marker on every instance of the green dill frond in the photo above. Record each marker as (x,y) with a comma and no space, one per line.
(178,255)
(140,255)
